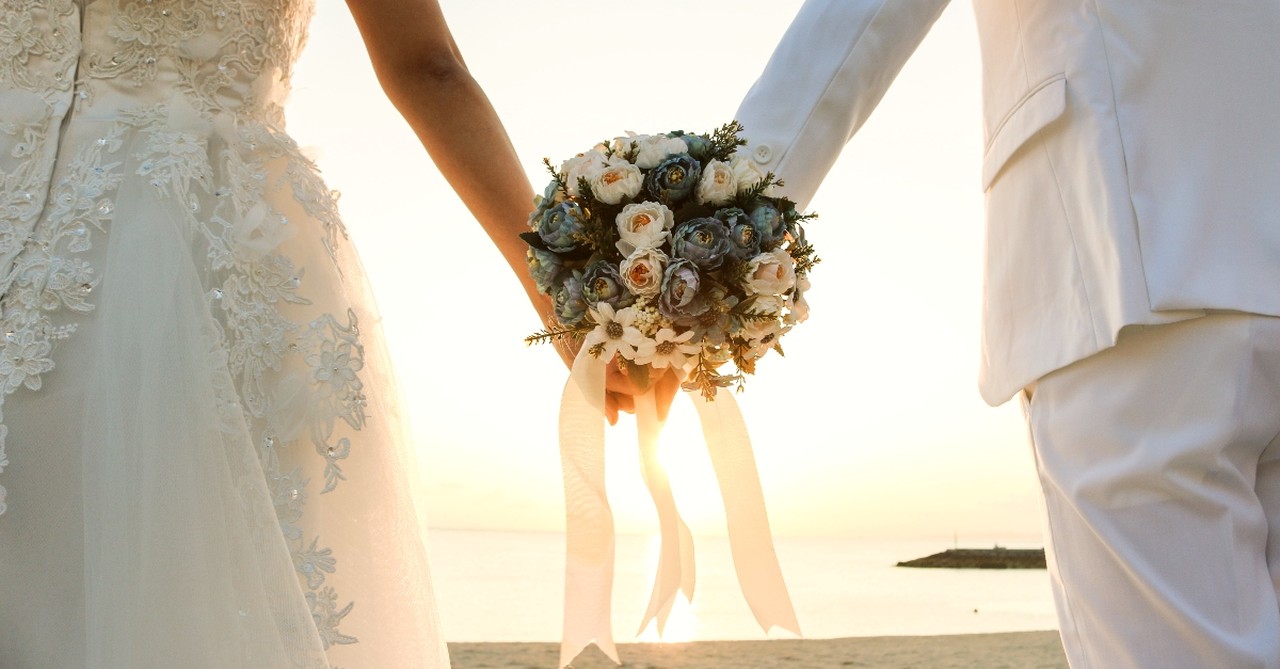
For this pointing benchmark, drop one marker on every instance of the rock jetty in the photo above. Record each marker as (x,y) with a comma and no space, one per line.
(982,558)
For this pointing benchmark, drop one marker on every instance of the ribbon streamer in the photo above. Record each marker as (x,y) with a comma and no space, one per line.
(750,540)
(588,584)
(675,561)
(589,519)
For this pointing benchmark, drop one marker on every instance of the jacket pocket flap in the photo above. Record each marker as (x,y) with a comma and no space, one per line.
(1034,111)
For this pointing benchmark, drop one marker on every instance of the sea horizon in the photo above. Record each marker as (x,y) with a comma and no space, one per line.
(841,587)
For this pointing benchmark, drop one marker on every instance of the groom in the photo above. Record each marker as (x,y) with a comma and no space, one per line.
(1132,288)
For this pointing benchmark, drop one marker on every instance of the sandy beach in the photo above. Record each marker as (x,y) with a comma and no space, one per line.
(1015,650)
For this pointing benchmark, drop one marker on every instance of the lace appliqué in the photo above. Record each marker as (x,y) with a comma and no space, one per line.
(254,287)
(229,55)
(38,48)
(218,152)
(38,44)
(47,282)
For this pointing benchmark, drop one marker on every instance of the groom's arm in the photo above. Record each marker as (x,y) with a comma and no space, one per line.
(828,73)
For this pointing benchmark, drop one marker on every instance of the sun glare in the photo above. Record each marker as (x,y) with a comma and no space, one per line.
(684,456)
(681,626)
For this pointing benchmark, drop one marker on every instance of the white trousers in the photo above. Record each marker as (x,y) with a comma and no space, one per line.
(1160,464)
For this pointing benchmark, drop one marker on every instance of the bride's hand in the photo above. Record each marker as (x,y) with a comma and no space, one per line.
(618,387)
(620,390)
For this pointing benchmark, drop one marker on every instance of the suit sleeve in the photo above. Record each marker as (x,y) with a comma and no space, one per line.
(832,67)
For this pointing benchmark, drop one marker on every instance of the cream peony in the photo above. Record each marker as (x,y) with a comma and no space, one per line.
(748,173)
(642,271)
(771,273)
(766,304)
(615,180)
(582,166)
(653,149)
(718,184)
(643,225)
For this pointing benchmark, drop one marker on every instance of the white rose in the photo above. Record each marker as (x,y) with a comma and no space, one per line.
(771,273)
(797,306)
(615,180)
(797,309)
(653,149)
(643,225)
(622,145)
(766,304)
(642,271)
(748,173)
(580,167)
(718,184)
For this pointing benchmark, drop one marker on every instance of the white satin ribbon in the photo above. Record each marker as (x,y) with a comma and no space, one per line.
(749,537)
(675,561)
(588,583)
(589,520)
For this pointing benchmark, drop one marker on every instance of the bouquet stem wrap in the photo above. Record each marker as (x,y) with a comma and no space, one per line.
(589,520)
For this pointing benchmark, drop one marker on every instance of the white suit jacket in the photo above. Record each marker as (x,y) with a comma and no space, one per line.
(1132,161)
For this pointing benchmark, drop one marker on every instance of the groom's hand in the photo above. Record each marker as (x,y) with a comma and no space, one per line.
(620,391)
(619,394)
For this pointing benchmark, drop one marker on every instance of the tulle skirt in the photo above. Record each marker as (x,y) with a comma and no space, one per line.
(207,461)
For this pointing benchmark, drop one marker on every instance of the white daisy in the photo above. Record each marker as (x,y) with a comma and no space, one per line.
(614,333)
(667,349)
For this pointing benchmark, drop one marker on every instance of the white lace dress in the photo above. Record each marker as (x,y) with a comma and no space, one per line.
(203,462)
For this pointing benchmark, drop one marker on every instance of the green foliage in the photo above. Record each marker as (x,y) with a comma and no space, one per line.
(601,234)
(548,335)
(725,141)
(753,195)
(706,380)
(804,257)
(556,176)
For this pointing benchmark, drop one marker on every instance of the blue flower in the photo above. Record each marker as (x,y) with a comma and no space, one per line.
(703,241)
(679,298)
(545,267)
(674,179)
(562,226)
(601,282)
(769,223)
(714,324)
(744,238)
(567,297)
(698,145)
(550,197)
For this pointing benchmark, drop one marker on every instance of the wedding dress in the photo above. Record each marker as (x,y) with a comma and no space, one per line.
(203,459)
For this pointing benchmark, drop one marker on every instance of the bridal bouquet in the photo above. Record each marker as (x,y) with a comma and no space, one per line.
(665,252)
(671,251)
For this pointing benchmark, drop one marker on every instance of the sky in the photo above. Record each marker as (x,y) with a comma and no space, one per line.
(871,426)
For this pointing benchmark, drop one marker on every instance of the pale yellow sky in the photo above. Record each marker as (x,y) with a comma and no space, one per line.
(872,424)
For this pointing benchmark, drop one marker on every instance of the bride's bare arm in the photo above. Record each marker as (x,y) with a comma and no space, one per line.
(424,76)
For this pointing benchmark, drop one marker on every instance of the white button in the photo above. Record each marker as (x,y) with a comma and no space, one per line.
(762,154)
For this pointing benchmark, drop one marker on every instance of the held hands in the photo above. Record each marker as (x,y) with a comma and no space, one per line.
(620,389)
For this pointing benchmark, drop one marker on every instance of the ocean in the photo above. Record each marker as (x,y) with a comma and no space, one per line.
(509,586)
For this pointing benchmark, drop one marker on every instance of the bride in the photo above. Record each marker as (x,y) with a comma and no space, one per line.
(203,462)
